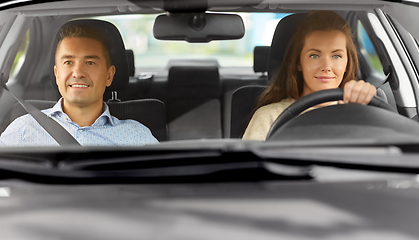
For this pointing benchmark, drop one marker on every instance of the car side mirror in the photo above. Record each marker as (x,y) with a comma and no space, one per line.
(198,27)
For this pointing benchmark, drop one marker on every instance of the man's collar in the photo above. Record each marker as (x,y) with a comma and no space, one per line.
(57,108)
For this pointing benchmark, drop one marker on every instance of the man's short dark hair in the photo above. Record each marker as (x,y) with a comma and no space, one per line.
(86,31)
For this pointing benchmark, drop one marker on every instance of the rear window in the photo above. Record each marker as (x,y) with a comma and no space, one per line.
(136,30)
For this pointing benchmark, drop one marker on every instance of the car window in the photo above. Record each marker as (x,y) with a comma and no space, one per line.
(20,56)
(149,52)
(198,102)
(366,48)
(162,129)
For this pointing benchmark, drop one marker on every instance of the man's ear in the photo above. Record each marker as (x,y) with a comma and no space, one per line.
(111,74)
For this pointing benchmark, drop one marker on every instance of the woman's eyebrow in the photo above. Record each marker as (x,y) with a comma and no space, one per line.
(313,49)
(316,50)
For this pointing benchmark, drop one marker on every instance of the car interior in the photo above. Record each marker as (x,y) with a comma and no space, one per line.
(194,100)
(343,171)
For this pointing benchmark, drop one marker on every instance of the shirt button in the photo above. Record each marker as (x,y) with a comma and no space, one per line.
(80,130)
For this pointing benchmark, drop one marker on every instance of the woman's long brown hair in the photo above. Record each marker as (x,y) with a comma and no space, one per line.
(288,81)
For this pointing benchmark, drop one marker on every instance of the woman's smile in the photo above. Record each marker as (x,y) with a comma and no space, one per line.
(325,79)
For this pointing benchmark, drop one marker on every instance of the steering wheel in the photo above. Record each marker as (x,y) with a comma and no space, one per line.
(314,99)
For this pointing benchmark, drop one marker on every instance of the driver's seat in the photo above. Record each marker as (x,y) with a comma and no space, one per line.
(245,99)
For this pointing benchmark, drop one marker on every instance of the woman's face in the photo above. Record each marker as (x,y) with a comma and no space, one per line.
(323,60)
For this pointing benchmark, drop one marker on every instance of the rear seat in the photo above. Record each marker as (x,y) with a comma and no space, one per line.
(198,102)
(193,102)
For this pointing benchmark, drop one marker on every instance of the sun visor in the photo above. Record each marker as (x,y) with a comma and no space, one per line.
(198,27)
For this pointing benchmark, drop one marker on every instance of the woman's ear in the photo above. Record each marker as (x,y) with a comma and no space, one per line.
(299,67)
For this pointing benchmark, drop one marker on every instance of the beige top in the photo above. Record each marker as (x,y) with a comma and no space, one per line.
(263,118)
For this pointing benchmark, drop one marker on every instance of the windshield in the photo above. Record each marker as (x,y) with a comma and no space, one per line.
(152,53)
(148,78)
(209,119)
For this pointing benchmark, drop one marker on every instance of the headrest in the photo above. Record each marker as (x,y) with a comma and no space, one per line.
(117,52)
(283,34)
(193,75)
(260,58)
(131,62)
(192,62)
(194,81)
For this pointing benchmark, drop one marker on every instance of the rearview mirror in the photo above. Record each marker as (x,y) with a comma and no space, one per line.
(198,27)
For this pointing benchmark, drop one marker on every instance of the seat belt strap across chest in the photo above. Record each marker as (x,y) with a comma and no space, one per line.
(54,129)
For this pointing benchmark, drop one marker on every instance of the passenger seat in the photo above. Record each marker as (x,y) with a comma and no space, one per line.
(150,112)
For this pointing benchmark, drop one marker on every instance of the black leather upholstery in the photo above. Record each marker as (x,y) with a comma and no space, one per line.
(260,58)
(150,112)
(193,103)
(17,110)
(283,34)
(244,99)
(243,104)
(131,62)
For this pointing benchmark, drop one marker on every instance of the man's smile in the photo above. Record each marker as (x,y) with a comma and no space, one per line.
(79,86)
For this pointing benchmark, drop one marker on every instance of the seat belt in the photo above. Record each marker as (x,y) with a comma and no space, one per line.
(54,129)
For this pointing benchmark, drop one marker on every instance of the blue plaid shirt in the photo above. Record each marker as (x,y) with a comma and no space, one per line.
(107,130)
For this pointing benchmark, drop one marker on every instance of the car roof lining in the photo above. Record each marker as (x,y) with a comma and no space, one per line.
(127,7)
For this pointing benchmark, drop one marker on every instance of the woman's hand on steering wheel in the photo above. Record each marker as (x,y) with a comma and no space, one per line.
(314,99)
(358,92)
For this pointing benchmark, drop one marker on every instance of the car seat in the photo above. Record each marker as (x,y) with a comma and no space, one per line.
(150,112)
(193,102)
(249,96)
(244,101)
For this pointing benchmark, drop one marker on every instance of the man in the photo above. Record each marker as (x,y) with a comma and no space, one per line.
(82,70)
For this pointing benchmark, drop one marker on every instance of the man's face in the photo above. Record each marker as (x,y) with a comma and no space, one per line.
(81,72)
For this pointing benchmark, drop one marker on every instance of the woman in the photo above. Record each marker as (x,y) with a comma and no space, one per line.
(321,55)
